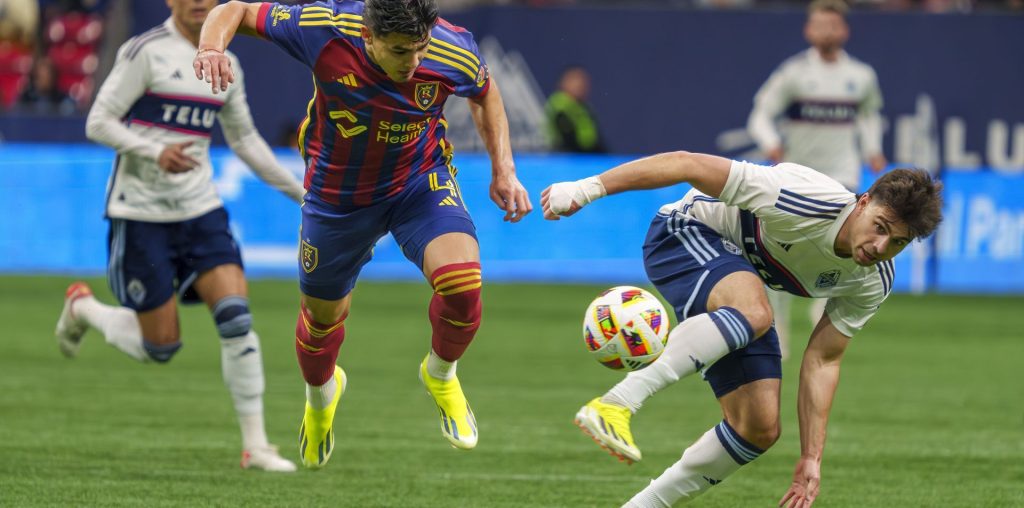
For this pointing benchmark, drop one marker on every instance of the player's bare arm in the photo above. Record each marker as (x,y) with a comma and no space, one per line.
(819,377)
(224,21)
(492,124)
(707,173)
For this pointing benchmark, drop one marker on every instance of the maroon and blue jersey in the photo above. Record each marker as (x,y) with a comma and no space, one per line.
(366,135)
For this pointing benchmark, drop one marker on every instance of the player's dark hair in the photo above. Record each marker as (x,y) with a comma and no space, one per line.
(407,17)
(913,196)
(836,6)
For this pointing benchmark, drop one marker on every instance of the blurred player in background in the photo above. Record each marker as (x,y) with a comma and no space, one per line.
(830,99)
(572,126)
(377,162)
(168,227)
(710,255)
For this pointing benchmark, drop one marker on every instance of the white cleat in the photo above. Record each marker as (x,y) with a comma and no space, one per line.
(266,459)
(70,329)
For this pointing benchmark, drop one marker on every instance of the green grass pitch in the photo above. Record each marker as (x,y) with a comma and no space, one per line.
(930,411)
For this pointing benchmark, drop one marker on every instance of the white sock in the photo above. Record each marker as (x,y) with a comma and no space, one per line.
(439,368)
(321,396)
(119,325)
(719,453)
(242,366)
(693,345)
(254,434)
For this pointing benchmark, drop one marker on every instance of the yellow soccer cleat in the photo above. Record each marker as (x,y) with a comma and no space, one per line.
(608,426)
(316,435)
(458,425)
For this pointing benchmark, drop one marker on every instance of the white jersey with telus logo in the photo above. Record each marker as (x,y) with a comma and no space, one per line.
(784,220)
(152,99)
(823,105)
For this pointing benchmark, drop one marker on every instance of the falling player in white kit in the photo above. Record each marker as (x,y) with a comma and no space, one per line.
(168,228)
(827,101)
(711,254)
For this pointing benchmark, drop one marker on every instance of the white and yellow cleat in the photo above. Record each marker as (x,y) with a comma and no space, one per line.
(316,434)
(458,425)
(608,426)
(267,459)
(70,329)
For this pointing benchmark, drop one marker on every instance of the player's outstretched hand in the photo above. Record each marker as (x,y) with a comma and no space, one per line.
(804,489)
(173,158)
(556,201)
(510,196)
(214,67)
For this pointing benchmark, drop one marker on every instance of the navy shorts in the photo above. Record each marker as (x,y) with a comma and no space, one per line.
(334,245)
(685,259)
(149,261)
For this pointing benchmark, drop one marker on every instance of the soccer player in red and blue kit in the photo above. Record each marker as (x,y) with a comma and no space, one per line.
(376,162)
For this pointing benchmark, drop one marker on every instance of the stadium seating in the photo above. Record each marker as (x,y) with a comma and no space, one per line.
(15,64)
(72,40)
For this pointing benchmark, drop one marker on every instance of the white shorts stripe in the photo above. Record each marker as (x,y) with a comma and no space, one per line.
(673,228)
(695,240)
(704,242)
(693,295)
(114,265)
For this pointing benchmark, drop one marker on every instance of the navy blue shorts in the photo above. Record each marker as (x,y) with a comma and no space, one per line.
(335,245)
(149,261)
(685,259)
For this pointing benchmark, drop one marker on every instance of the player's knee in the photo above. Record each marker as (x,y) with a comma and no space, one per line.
(759,315)
(161,352)
(760,430)
(232,316)
(456,298)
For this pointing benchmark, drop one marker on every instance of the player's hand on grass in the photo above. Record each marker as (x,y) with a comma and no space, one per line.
(173,158)
(804,489)
(774,154)
(214,67)
(510,196)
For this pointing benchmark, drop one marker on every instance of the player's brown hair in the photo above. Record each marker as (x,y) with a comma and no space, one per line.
(913,196)
(837,6)
(407,17)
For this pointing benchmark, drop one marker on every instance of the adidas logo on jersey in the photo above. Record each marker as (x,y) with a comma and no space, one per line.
(177,74)
(448,201)
(349,80)
(785,246)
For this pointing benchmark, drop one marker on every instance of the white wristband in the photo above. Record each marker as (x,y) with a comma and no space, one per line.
(589,189)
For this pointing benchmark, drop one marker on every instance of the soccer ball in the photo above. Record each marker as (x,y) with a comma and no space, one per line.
(625,328)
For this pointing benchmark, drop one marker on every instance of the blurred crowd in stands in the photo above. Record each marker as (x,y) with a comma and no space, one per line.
(48,54)
(49,49)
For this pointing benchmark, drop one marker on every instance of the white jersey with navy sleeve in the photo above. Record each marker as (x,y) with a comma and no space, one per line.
(825,107)
(152,99)
(784,220)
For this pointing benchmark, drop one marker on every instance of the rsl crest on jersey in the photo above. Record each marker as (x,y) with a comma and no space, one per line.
(310,257)
(426,94)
